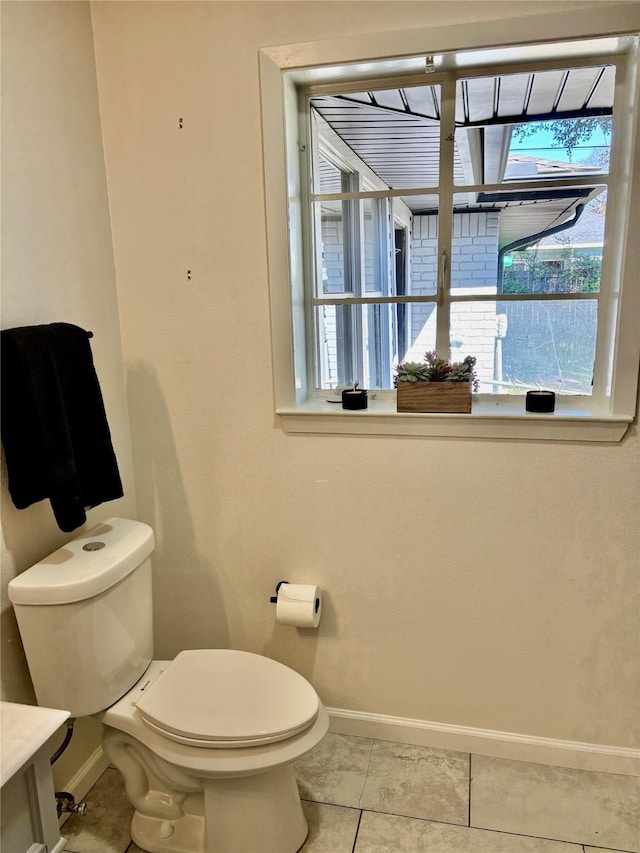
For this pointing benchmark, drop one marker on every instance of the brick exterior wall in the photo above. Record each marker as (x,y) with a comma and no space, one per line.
(473,267)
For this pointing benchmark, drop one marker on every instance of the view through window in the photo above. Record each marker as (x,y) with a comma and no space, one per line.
(461,211)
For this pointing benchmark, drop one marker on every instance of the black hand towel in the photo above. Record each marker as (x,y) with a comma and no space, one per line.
(54,428)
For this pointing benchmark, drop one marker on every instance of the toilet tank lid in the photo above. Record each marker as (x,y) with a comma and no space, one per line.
(86,566)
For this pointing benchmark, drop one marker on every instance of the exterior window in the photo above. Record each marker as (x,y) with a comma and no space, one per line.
(481,208)
(502,179)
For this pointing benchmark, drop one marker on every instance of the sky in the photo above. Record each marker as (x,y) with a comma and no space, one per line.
(541,144)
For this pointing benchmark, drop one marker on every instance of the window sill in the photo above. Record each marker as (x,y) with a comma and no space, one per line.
(506,420)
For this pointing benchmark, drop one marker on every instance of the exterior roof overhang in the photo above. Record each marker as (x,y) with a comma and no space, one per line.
(396,133)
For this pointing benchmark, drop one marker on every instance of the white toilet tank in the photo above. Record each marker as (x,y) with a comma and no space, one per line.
(85,617)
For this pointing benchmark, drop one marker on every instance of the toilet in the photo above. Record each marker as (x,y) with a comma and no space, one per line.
(205,742)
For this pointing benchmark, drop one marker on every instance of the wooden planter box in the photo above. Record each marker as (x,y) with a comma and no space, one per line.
(434,397)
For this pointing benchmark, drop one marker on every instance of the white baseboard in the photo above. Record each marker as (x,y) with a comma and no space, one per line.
(539,750)
(86,777)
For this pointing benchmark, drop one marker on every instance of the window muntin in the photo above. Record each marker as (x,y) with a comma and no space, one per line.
(465,259)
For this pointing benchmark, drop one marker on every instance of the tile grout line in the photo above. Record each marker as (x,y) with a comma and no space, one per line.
(355,837)
(366,775)
(576,844)
(431,820)
(469,813)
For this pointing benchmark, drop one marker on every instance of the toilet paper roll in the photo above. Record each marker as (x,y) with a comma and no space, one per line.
(299,604)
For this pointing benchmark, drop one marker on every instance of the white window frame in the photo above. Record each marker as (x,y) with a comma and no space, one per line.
(285,68)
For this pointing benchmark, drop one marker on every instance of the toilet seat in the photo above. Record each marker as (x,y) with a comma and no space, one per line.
(223,698)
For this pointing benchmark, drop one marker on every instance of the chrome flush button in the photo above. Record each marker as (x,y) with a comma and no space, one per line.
(93,546)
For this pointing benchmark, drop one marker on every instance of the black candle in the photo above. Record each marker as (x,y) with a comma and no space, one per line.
(542,402)
(354,398)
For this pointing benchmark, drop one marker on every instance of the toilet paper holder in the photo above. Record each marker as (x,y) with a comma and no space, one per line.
(299,605)
(274,598)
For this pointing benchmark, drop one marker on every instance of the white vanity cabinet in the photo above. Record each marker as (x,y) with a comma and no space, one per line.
(29,821)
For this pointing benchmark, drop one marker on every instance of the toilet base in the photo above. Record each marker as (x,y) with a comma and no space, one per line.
(158,836)
(179,812)
(242,815)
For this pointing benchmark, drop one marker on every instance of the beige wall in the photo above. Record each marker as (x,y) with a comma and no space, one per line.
(57,265)
(481,583)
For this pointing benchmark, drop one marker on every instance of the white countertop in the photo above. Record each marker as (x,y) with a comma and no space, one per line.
(23,730)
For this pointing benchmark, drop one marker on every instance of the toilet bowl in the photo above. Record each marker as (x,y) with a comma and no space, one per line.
(205,742)
(208,781)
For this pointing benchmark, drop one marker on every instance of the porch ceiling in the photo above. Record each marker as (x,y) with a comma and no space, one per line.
(396,133)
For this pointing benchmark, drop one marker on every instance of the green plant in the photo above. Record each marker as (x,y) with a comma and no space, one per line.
(435,369)
(569,273)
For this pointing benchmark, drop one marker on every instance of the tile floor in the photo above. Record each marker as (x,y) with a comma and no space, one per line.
(373,796)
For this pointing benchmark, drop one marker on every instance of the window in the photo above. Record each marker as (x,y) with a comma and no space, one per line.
(459,203)
(353,256)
